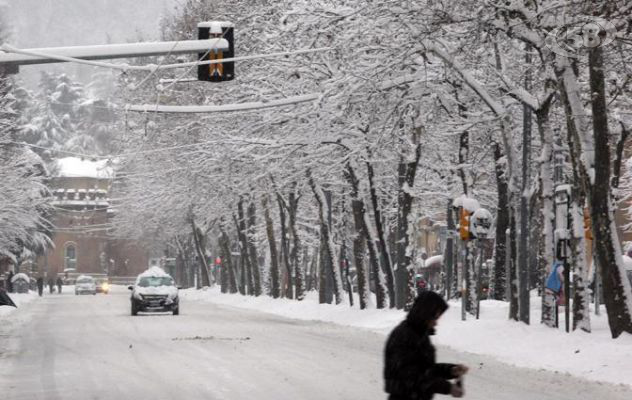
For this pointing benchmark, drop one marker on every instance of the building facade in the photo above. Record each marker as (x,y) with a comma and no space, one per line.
(81,219)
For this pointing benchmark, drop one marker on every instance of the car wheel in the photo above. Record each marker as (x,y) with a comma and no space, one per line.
(176,311)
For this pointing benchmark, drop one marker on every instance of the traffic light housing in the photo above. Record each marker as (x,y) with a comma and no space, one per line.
(219,72)
(464,225)
(587,225)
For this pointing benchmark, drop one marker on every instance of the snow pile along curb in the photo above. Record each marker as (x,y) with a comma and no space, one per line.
(19,299)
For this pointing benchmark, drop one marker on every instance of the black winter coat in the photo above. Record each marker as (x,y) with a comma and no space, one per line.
(410,368)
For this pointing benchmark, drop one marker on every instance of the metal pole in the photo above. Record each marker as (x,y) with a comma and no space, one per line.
(463,278)
(567,275)
(449,258)
(478,277)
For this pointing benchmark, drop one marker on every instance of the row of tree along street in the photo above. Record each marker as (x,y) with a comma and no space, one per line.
(420,103)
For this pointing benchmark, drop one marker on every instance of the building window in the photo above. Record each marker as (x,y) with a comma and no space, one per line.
(70,256)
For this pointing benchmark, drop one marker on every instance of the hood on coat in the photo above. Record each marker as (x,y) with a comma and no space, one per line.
(427,307)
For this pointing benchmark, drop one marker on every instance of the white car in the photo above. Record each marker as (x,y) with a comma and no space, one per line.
(85,284)
(154,290)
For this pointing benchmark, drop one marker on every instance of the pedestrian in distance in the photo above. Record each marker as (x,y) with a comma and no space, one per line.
(410,368)
(10,282)
(59,283)
(51,285)
(40,285)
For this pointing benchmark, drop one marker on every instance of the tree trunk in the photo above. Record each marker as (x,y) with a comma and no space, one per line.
(359,253)
(524,272)
(199,249)
(344,266)
(285,248)
(502,224)
(240,225)
(328,251)
(512,272)
(229,282)
(363,233)
(274,257)
(385,255)
(581,297)
(617,291)
(252,248)
(296,256)
(405,271)
(547,210)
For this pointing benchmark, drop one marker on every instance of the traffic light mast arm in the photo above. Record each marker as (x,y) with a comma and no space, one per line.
(15,56)
(11,49)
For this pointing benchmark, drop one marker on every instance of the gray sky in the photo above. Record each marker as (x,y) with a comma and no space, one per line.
(50,23)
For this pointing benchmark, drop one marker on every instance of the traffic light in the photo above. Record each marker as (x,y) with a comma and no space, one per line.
(219,72)
(464,225)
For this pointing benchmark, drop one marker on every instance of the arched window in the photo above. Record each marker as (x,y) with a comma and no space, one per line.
(70,256)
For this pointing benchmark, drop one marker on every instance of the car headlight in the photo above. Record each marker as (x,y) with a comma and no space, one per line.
(138,296)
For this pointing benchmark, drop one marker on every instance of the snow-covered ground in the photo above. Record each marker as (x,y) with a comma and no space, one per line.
(234,347)
(594,356)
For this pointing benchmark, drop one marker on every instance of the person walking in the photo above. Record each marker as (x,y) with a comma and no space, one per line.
(410,368)
(59,283)
(40,285)
(10,281)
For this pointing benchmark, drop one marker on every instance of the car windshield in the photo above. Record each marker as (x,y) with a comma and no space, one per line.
(85,280)
(153,281)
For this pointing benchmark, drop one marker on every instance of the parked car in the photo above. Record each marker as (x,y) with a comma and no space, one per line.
(103,286)
(85,284)
(154,290)
(21,282)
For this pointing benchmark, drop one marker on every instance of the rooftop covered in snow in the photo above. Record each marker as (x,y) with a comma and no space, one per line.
(79,167)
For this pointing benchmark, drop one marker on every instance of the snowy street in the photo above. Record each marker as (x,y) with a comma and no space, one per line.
(78,347)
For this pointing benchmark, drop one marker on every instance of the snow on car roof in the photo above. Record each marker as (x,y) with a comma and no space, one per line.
(84,277)
(154,271)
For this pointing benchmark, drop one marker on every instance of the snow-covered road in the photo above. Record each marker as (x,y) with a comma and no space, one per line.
(64,347)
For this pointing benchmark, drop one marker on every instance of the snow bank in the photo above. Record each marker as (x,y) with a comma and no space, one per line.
(592,356)
(19,299)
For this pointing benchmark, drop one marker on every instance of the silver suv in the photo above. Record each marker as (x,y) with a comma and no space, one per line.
(154,290)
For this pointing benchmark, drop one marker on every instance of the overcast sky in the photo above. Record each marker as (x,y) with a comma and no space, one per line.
(49,23)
